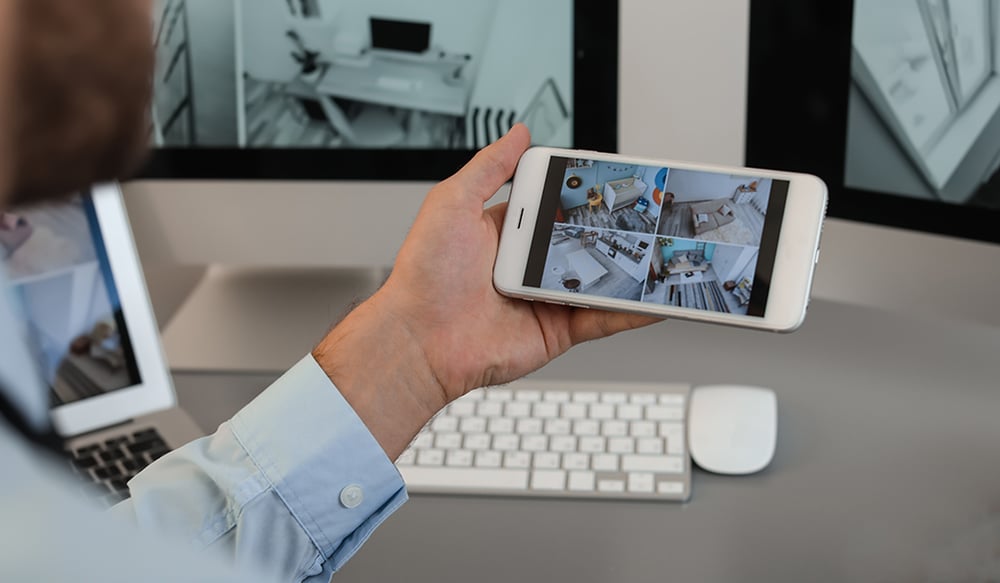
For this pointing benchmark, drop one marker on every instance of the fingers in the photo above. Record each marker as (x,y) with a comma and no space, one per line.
(591,324)
(493,165)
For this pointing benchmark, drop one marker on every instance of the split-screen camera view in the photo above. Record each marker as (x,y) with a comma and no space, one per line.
(660,235)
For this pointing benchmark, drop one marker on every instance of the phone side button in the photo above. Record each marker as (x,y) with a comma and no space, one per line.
(578,306)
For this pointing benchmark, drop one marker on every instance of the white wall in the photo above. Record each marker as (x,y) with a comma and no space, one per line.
(698,104)
(689,186)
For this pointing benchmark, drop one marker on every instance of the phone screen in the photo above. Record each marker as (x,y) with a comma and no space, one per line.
(687,238)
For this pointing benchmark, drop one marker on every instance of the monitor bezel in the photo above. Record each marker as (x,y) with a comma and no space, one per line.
(595,97)
(797,117)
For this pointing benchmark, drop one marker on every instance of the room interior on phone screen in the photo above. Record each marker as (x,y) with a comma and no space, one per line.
(652,234)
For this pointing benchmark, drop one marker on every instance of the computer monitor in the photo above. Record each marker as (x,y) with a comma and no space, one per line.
(895,103)
(400,35)
(374,89)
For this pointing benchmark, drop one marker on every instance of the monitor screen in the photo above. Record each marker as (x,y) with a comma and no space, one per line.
(895,103)
(374,89)
(400,35)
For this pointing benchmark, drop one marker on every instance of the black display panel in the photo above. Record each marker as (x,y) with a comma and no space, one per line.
(313,89)
(894,103)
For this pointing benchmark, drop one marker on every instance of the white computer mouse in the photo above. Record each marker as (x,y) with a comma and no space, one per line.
(732,429)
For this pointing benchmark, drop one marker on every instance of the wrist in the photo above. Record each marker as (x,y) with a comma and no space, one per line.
(383,373)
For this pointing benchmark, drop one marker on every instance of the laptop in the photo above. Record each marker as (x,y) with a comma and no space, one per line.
(84,310)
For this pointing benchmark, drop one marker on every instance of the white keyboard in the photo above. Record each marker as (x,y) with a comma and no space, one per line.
(557,439)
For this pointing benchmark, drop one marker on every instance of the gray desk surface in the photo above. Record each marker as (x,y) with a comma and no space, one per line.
(887,467)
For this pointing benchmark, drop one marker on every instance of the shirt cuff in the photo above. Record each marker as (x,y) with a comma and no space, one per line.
(321,460)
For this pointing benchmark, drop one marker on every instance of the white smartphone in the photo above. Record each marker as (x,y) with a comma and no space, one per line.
(725,245)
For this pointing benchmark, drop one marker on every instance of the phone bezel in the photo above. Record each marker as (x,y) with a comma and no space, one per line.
(795,258)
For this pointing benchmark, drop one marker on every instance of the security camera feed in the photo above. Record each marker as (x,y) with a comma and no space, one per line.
(361,74)
(669,236)
(66,301)
(924,105)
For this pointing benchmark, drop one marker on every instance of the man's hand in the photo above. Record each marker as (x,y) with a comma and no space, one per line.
(438,328)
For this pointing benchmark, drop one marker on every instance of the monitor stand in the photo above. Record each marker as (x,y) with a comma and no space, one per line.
(245,319)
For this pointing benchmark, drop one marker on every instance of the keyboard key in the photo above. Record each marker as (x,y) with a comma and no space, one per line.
(450,478)
(500,425)
(555,396)
(461,408)
(545,460)
(652,463)
(670,487)
(602,411)
(517,409)
(574,411)
(586,427)
(430,457)
(85,463)
(443,423)
(650,445)
(407,457)
(604,462)
(107,472)
(581,481)
(458,457)
(111,455)
(529,426)
(671,399)
(528,395)
(629,412)
(664,413)
(489,409)
(499,394)
(642,398)
(614,397)
(548,480)
(472,425)
(516,459)
(575,461)
(614,428)
(562,443)
(534,442)
(585,397)
(592,444)
(545,410)
(621,445)
(477,441)
(475,395)
(448,441)
(506,442)
(610,485)
(488,459)
(423,441)
(642,429)
(133,465)
(640,482)
(557,427)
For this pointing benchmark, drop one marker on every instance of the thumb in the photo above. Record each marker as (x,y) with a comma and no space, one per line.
(483,176)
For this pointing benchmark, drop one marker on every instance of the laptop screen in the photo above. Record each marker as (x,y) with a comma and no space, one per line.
(64,293)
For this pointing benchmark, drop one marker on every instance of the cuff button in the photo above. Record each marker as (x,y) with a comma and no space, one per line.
(351,496)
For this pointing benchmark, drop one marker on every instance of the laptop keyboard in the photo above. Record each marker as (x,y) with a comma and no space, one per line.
(107,466)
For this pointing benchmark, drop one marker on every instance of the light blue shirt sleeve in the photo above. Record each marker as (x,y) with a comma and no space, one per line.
(294,483)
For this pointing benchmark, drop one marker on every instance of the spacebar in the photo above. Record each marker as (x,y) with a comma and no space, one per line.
(458,478)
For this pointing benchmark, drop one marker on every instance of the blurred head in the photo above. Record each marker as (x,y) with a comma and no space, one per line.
(74,93)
